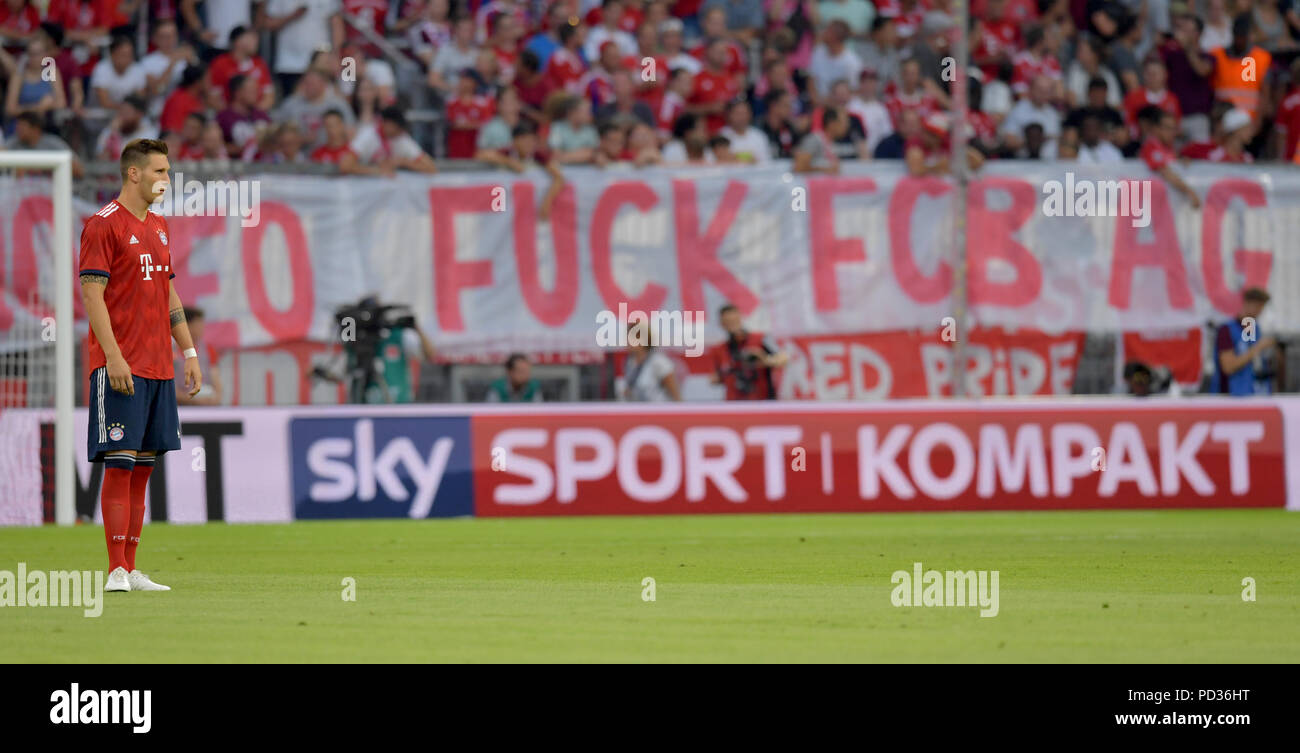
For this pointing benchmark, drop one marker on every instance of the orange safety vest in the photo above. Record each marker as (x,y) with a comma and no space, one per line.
(1234,83)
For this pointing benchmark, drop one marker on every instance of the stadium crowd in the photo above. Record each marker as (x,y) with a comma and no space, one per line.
(629,83)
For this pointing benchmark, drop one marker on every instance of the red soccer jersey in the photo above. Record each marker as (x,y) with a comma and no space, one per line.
(629,22)
(76,15)
(564,69)
(1135,100)
(189,152)
(225,67)
(1156,155)
(331,154)
(465,116)
(179,106)
(370,13)
(997,38)
(735,57)
(134,255)
(26,20)
(920,100)
(1288,120)
(713,87)
(1027,67)
(598,86)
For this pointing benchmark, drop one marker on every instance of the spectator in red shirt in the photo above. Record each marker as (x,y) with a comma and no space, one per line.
(338,151)
(713,23)
(19,20)
(242,59)
(466,114)
(1159,130)
(1153,92)
(911,94)
(186,100)
(928,152)
(1288,116)
(186,144)
(714,87)
(566,65)
(1038,59)
(995,38)
(507,30)
(531,85)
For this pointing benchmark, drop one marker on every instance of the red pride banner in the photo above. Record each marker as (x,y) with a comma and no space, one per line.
(889,458)
(881,365)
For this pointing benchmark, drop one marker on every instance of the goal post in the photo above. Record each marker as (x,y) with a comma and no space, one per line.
(59,163)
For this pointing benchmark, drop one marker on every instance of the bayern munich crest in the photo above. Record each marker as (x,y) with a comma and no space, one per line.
(162,237)
(116,433)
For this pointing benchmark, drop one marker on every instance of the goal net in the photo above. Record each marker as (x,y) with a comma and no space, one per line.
(37,329)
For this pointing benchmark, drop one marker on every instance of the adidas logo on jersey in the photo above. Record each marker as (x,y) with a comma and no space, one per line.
(134,240)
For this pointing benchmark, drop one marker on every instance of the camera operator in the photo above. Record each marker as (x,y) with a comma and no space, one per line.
(378,356)
(745,360)
(1246,362)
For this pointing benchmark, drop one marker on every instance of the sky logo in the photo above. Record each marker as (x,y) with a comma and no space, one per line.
(381,467)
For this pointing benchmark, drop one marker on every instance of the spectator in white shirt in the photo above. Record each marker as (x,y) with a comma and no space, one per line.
(748,143)
(832,60)
(453,58)
(648,375)
(301,27)
(212,27)
(388,144)
(117,76)
(1093,149)
(164,66)
(870,110)
(1036,108)
(671,41)
(610,14)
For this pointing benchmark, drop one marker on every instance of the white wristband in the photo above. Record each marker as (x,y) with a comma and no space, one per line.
(191,353)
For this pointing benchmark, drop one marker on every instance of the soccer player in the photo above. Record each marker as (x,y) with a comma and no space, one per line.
(127,291)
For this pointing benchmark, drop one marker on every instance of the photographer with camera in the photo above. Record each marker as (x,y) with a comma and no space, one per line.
(1246,362)
(378,343)
(745,360)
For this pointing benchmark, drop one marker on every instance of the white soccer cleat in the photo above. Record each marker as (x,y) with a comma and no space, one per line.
(141,582)
(118,580)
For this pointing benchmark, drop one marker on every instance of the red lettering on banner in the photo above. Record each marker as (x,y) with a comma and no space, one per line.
(449,275)
(26,287)
(1254,264)
(827,250)
(993,231)
(902,204)
(550,308)
(183,232)
(1163,252)
(697,255)
(292,323)
(614,196)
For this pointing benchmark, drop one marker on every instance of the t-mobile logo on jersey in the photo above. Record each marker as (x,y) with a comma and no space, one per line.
(147,266)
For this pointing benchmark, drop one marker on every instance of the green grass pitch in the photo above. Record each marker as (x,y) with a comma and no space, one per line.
(1161,586)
